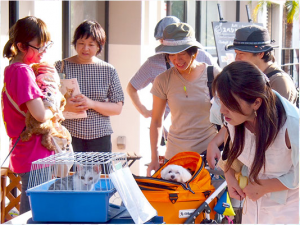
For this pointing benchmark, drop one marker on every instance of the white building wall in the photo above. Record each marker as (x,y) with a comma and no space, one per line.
(127,52)
(125,24)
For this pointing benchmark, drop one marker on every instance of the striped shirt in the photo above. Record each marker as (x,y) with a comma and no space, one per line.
(99,82)
(156,65)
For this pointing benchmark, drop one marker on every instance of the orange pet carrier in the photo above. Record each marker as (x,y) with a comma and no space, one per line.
(177,201)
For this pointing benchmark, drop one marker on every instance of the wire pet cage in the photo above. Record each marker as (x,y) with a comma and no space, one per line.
(81,195)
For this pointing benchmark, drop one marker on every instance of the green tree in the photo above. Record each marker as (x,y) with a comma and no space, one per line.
(290,12)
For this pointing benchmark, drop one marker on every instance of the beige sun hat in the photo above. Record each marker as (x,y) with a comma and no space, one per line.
(177,37)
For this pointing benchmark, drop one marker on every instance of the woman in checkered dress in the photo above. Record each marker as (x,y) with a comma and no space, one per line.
(101,92)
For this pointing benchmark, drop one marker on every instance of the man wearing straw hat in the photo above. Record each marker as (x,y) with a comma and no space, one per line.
(154,66)
(253,44)
(184,88)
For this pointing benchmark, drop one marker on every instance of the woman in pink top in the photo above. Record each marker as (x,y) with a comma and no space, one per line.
(29,40)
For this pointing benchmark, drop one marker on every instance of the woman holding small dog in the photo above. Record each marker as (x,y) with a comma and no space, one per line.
(101,92)
(184,87)
(263,129)
(21,94)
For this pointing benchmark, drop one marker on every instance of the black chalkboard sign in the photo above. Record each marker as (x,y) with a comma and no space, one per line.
(224,33)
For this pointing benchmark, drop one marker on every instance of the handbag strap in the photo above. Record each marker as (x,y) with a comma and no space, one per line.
(273,73)
(62,66)
(13,102)
(210,79)
(61,74)
(13,147)
(20,111)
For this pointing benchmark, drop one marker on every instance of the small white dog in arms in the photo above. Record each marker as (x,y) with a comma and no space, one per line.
(176,173)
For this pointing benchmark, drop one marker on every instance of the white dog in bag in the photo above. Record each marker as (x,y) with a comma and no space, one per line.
(176,173)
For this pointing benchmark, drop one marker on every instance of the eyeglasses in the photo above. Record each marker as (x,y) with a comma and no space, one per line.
(44,48)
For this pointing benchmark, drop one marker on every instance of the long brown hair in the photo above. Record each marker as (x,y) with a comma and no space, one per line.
(248,83)
(24,31)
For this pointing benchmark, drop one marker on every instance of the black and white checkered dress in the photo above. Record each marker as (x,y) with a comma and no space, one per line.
(99,82)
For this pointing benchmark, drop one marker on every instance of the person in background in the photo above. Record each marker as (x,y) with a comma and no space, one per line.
(29,41)
(101,92)
(184,88)
(154,66)
(252,44)
(263,129)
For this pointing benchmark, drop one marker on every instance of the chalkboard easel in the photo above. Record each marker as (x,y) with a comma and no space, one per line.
(224,33)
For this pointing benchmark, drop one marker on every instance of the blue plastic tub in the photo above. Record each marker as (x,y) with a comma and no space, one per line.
(70,206)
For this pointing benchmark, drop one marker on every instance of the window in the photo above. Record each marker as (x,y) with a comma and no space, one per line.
(87,10)
(178,9)
(203,29)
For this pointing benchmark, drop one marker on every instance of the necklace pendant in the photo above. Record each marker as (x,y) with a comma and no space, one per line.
(184,88)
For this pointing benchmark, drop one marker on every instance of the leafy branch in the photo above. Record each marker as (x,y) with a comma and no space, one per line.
(292,8)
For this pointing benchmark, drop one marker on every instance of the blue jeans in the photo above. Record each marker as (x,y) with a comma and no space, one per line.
(102,144)
(24,205)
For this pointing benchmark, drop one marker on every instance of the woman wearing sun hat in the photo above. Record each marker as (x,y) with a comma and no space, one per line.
(184,88)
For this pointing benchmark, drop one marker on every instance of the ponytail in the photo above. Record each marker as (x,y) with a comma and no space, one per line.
(9,50)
